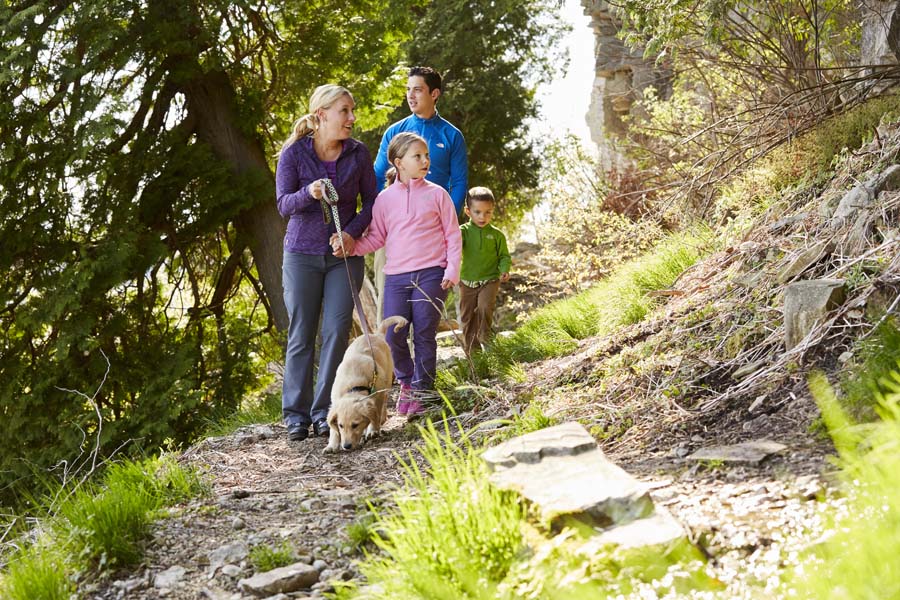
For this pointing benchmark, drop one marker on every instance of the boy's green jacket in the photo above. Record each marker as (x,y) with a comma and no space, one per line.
(484,254)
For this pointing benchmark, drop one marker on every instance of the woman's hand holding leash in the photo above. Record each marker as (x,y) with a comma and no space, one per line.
(335,242)
(446,284)
(316,189)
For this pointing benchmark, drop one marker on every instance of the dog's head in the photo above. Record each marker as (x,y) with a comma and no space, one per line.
(351,417)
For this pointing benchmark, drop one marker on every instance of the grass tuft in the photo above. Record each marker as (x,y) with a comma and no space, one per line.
(265,557)
(449,533)
(36,573)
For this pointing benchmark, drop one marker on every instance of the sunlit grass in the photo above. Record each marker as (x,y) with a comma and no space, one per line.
(265,557)
(621,299)
(36,573)
(449,533)
(97,526)
(859,560)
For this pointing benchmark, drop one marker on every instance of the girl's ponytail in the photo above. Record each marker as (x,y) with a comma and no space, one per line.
(391,175)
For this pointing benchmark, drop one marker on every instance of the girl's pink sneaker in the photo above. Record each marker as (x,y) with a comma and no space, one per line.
(414,410)
(403,399)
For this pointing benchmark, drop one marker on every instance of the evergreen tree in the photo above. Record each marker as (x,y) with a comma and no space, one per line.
(492,56)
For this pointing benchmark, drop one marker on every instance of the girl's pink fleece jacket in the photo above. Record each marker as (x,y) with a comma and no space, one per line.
(418,228)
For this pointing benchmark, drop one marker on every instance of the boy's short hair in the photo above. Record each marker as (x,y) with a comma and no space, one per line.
(432,78)
(479,194)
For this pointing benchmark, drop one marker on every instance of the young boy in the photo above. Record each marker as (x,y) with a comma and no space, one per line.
(485,264)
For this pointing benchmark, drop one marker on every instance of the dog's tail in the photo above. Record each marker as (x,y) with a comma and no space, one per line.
(397,321)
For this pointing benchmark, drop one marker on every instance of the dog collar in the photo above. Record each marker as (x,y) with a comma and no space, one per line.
(361,388)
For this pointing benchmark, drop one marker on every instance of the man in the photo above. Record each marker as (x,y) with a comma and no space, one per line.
(446,147)
(449,161)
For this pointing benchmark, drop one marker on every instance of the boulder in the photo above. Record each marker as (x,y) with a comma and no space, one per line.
(562,472)
(806,303)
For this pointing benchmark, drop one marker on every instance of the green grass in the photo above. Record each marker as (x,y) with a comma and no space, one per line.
(362,530)
(36,573)
(265,557)
(449,534)
(859,560)
(97,526)
(876,357)
(266,408)
(554,330)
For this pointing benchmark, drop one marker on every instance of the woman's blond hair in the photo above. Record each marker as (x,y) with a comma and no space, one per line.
(398,148)
(322,97)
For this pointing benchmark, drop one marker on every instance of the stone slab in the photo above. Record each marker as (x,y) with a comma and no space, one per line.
(746,453)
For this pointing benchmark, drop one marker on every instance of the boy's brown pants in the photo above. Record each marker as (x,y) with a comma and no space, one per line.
(476,307)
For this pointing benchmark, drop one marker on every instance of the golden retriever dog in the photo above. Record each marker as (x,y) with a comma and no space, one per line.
(359,404)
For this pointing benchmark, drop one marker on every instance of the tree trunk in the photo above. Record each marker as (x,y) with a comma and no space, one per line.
(211,101)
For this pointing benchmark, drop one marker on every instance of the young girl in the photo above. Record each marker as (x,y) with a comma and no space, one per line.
(415,221)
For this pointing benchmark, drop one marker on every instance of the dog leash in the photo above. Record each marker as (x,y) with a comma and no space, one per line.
(332,200)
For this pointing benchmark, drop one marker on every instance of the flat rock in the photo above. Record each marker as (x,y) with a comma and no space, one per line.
(746,453)
(281,580)
(658,529)
(565,475)
(170,577)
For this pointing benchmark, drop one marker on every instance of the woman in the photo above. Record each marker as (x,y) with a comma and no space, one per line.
(315,281)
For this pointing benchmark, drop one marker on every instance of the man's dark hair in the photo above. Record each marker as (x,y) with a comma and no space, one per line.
(432,78)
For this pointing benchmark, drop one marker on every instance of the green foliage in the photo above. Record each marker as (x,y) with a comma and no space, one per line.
(876,357)
(851,563)
(265,557)
(562,569)
(105,523)
(492,55)
(100,524)
(362,530)
(621,299)
(137,211)
(450,533)
(532,418)
(36,573)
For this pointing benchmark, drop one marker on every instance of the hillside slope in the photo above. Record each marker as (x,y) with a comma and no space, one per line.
(708,367)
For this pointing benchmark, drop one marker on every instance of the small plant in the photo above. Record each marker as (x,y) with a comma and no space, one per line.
(449,534)
(531,419)
(265,557)
(361,531)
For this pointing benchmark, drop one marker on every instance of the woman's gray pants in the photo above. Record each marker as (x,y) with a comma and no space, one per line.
(314,286)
